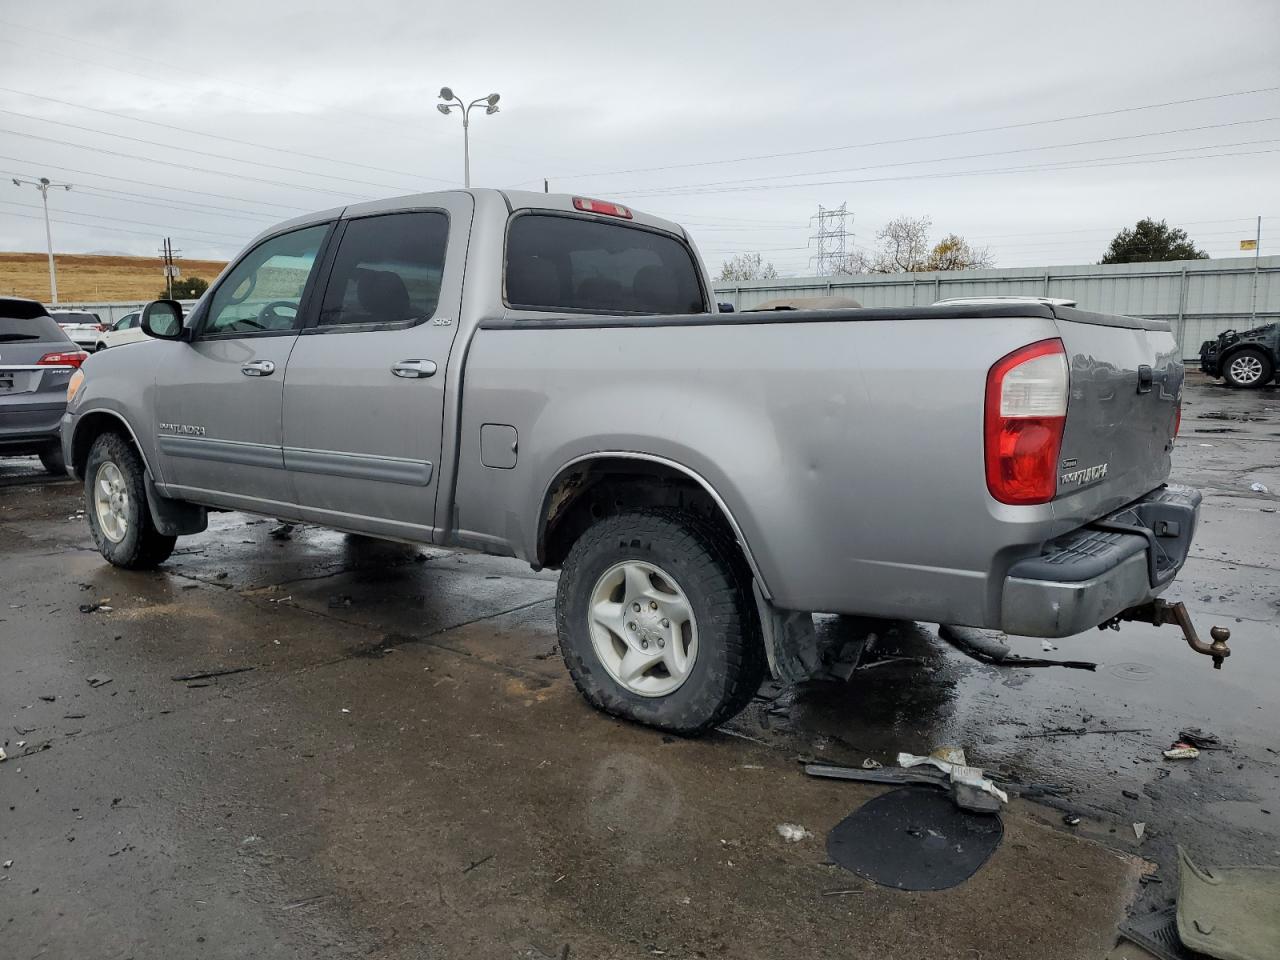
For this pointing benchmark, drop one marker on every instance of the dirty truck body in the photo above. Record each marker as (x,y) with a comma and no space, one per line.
(547,378)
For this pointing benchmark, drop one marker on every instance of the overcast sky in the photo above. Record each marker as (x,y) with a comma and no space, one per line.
(737,119)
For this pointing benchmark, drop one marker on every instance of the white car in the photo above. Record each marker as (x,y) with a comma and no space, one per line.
(128,329)
(86,329)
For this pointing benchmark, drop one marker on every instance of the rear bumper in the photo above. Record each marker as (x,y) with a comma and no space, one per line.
(1088,576)
(32,421)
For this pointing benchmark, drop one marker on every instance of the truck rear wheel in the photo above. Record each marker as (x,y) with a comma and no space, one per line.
(657,623)
(1248,368)
(116,503)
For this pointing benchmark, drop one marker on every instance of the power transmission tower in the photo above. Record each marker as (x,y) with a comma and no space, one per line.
(832,240)
(170,266)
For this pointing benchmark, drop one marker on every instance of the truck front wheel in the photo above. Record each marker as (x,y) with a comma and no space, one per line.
(657,623)
(1248,368)
(116,502)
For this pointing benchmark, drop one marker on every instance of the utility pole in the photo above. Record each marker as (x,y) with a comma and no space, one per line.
(1257,248)
(546,185)
(170,266)
(43,185)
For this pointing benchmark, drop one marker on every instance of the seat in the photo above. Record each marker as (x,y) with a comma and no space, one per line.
(533,281)
(383,296)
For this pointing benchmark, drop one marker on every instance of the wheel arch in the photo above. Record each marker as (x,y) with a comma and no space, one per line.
(91,425)
(570,502)
(1230,353)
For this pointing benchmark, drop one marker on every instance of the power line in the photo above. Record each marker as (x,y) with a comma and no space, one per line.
(142,223)
(161,186)
(96,226)
(201,153)
(1093,162)
(992,153)
(931,136)
(120,196)
(216,136)
(185,166)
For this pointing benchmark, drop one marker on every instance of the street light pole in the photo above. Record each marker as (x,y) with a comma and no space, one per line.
(43,185)
(452,101)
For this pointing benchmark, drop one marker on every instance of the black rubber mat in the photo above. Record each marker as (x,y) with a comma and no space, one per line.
(914,839)
(1157,933)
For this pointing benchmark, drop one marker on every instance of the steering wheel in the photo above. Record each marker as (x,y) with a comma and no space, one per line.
(269,319)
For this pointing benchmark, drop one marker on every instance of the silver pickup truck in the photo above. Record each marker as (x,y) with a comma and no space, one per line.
(549,378)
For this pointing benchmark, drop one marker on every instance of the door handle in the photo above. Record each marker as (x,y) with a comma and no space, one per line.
(414,369)
(258,368)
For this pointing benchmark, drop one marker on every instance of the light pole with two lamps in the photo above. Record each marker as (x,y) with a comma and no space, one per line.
(452,101)
(43,185)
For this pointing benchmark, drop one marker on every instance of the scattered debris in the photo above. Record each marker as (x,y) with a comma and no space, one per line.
(793,832)
(282,532)
(48,697)
(215,672)
(7,864)
(1071,820)
(1199,739)
(954,764)
(1139,830)
(841,893)
(869,764)
(1259,488)
(94,607)
(3,756)
(279,599)
(73,716)
(965,796)
(1181,751)
(98,680)
(1080,732)
(985,647)
(476,863)
(1132,795)
(345,710)
(1047,647)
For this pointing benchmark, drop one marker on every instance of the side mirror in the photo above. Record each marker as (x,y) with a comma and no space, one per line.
(162,319)
(725,307)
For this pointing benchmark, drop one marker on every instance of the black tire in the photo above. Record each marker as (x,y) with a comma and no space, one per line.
(142,546)
(709,568)
(1247,359)
(51,460)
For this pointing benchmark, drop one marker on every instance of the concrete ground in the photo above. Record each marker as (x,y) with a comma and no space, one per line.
(407,772)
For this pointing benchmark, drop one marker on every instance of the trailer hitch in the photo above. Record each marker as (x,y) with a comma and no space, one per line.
(1161,612)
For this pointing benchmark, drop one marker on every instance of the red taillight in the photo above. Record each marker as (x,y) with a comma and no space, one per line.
(1177,420)
(1026,411)
(601,206)
(71,359)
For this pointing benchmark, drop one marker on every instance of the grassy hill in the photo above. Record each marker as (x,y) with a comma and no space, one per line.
(89,277)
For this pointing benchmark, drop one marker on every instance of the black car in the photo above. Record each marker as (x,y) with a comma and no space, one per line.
(1249,358)
(37,360)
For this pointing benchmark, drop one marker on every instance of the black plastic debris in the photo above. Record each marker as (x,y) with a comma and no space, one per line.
(1200,739)
(212,672)
(99,680)
(914,839)
(1157,933)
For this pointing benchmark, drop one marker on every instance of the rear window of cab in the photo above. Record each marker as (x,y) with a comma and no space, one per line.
(558,262)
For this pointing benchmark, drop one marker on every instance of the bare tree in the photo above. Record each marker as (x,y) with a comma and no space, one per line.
(904,245)
(859,261)
(747,266)
(954,252)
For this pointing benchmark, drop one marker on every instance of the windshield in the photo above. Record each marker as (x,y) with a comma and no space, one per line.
(66,317)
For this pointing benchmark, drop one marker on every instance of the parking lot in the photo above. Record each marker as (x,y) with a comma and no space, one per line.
(401,767)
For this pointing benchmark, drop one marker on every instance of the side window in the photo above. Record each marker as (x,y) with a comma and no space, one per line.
(388,270)
(264,290)
(571,263)
(127,321)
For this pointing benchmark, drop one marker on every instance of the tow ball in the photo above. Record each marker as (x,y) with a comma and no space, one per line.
(1161,612)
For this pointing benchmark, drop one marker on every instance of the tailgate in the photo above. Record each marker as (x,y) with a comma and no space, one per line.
(1126,387)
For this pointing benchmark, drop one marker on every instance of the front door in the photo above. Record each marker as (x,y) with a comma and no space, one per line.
(219,395)
(364,391)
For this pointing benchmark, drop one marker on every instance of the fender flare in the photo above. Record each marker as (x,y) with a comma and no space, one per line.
(663,461)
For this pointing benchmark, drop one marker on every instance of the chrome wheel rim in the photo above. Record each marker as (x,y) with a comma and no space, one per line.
(111,502)
(642,628)
(1246,369)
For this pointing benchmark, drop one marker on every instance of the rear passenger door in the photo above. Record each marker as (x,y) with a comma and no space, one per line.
(364,389)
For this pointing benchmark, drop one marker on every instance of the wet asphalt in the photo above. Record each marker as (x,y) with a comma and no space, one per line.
(401,767)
